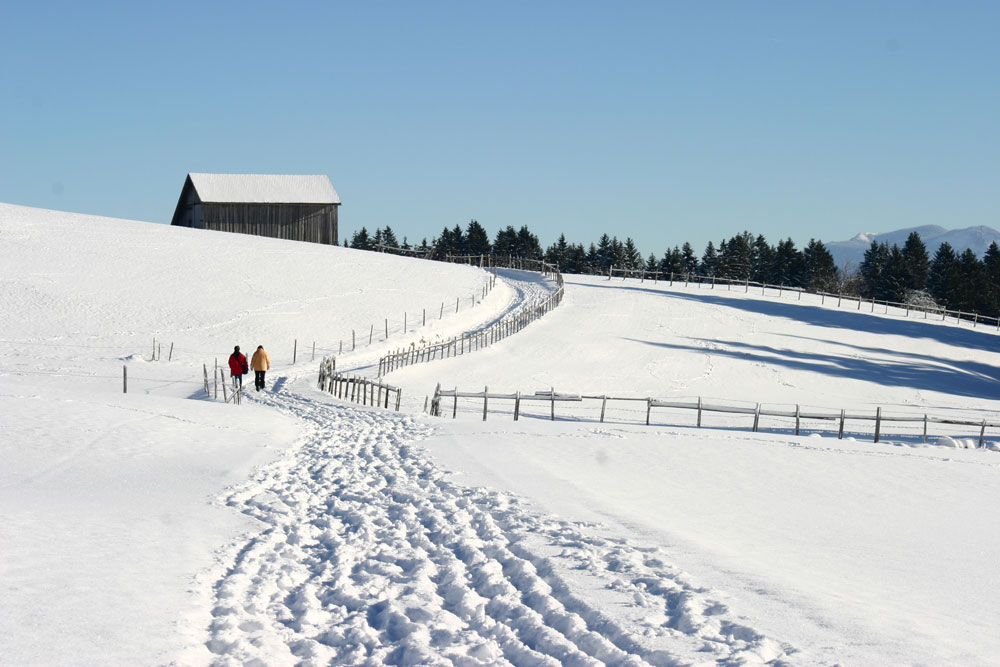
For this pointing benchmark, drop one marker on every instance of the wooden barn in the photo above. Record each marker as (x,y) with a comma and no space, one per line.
(300,208)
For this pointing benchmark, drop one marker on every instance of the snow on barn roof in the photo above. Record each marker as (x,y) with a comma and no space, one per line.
(264,188)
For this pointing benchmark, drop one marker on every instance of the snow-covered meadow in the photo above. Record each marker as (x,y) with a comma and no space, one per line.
(161,526)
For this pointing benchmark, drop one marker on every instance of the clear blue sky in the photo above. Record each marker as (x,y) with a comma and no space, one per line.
(663,121)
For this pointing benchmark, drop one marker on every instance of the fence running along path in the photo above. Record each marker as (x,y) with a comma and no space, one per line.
(357,389)
(839,418)
(688,278)
(470,342)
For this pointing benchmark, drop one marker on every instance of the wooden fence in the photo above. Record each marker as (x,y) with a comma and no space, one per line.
(830,420)
(470,342)
(711,281)
(357,389)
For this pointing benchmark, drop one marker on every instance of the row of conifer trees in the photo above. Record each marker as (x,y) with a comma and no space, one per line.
(950,279)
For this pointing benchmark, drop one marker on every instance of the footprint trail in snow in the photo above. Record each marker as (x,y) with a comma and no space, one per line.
(369,555)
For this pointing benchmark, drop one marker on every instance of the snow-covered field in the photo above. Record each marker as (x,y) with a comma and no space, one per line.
(161,526)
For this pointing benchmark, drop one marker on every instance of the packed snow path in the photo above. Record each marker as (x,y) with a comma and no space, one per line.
(368,555)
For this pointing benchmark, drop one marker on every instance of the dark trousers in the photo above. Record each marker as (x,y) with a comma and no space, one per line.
(258,380)
(237,381)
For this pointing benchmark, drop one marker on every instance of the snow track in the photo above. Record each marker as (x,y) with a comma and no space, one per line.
(369,555)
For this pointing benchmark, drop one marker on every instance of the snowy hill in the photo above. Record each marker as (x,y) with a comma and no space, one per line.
(851,253)
(162,526)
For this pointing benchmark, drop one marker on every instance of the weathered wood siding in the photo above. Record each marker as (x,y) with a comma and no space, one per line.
(316,223)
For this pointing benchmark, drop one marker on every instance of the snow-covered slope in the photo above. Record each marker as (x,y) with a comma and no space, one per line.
(147,527)
(851,253)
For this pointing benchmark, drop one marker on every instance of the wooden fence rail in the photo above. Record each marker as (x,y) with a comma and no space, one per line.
(470,342)
(712,281)
(840,418)
(357,389)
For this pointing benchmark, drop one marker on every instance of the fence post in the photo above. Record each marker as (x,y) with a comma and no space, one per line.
(124,379)
(295,351)
(454,408)
(553,397)
(225,398)
(604,403)
(517,405)
(982,434)
(797,420)
(170,355)
(314,351)
(649,408)
(486,391)
(840,433)
(878,422)
(456,304)
(425,318)
(924,438)
(756,418)
(699,412)
(154,348)
(354,341)
(371,334)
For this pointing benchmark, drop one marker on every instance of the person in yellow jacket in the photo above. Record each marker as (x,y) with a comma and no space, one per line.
(260,362)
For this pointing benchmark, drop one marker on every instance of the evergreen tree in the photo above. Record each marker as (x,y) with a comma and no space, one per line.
(970,296)
(576,259)
(894,278)
(443,244)
(505,243)
(527,244)
(872,267)
(722,260)
(651,264)
(605,254)
(593,260)
(377,240)
(631,255)
(787,266)
(689,259)
(672,262)
(617,252)
(708,260)
(944,275)
(820,269)
(477,241)
(458,241)
(557,252)
(991,271)
(917,262)
(389,238)
(762,259)
(360,240)
(738,256)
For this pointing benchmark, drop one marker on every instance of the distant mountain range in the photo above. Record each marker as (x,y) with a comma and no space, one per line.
(853,252)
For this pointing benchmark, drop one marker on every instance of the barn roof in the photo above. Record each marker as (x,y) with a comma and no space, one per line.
(264,188)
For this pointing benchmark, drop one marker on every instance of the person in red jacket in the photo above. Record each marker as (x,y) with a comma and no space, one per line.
(238,366)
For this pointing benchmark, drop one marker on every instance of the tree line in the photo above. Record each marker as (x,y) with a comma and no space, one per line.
(956,281)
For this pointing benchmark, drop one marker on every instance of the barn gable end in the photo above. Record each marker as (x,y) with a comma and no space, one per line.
(300,208)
